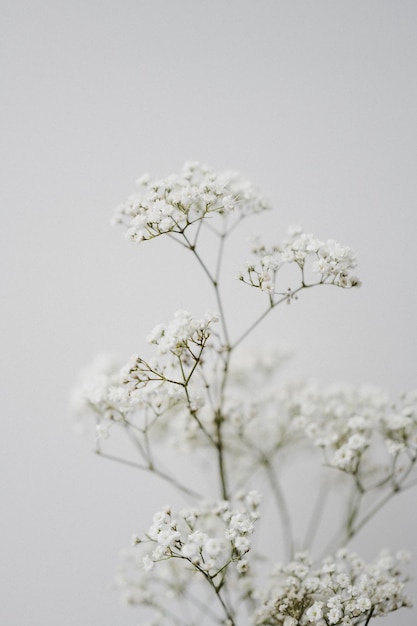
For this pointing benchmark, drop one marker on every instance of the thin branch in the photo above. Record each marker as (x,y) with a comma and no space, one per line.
(371,612)
(282,508)
(219,258)
(220,458)
(316,515)
(153,469)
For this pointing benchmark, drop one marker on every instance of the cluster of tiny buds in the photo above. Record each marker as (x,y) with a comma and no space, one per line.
(209,537)
(341,590)
(171,204)
(182,330)
(331,262)
(345,421)
(107,391)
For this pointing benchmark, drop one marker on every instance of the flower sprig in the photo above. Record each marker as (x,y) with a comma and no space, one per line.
(320,262)
(198,395)
(210,541)
(172,204)
(341,590)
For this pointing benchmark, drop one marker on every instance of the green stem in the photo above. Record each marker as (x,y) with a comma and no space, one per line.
(283,511)
(316,516)
(213,281)
(265,313)
(223,603)
(215,588)
(220,457)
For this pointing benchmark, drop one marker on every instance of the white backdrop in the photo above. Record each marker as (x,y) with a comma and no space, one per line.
(314,101)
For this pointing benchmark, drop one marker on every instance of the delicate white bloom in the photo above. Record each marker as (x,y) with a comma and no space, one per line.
(345,459)
(312,583)
(315,613)
(334,615)
(242,566)
(148,563)
(181,331)
(242,544)
(174,203)
(363,603)
(190,550)
(253,499)
(95,386)
(198,537)
(213,547)
(329,261)
(167,537)
(158,553)
(344,591)
(208,548)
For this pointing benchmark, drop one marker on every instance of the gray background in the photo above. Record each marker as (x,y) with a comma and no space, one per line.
(315,102)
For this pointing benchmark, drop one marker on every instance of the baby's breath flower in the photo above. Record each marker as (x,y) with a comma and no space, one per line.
(182,330)
(315,612)
(345,591)
(217,539)
(172,204)
(331,263)
(197,394)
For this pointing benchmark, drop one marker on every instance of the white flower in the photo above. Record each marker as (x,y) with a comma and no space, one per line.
(198,537)
(344,458)
(190,550)
(242,566)
(345,588)
(148,564)
(241,522)
(315,612)
(183,329)
(363,603)
(174,203)
(334,615)
(242,544)
(167,537)
(213,547)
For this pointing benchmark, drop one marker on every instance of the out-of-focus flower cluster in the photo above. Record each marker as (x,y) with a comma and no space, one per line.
(361,430)
(341,590)
(320,262)
(92,396)
(346,421)
(170,205)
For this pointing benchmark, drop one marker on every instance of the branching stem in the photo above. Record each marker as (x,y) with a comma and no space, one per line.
(154,470)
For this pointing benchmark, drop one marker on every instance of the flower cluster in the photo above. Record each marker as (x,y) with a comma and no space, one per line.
(208,542)
(346,421)
(181,332)
(171,204)
(95,395)
(137,588)
(331,263)
(197,391)
(144,390)
(341,590)
(209,537)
